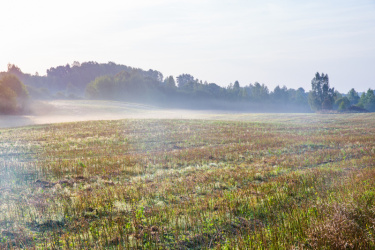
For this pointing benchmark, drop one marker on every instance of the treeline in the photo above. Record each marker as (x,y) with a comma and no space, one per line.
(323,98)
(111,81)
(189,92)
(64,81)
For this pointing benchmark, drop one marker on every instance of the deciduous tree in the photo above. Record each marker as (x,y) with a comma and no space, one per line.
(13,94)
(321,95)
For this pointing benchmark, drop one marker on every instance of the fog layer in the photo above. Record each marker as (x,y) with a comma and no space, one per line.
(58,111)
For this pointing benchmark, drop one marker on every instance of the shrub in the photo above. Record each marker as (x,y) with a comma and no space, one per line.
(8,100)
(13,95)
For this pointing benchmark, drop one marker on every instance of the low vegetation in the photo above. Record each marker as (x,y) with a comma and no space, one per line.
(13,95)
(260,181)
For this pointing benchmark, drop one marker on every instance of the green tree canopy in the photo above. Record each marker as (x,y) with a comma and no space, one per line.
(342,103)
(13,94)
(321,95)
(185,80)
(170,82)
(353,96)
(8,100)
(12,82)
(280,95)
(367,100)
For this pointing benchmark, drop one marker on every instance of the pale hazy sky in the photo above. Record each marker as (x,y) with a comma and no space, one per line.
(275,42)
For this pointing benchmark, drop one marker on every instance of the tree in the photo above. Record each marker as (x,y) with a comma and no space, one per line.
(258,93)
(170,82)
(353,96)
(337,95)
(184,80)
(14,70)
(280,95)
(233,91)
(370,100)
(8,100)
(214,89)
(342,103)
(76,64)
(300,97)
(103,87)
(321,95)
(13,94)
(367,100)
(12,82)
(236,86)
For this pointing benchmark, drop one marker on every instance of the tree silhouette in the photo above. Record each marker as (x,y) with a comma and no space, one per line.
(321,95)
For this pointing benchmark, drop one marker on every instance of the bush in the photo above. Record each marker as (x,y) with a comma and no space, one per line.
(13,95)
(8,100)
(342,104)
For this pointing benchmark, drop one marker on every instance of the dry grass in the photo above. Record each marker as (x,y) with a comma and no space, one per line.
(295,181)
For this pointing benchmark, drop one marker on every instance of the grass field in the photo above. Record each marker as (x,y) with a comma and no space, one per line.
(234,181)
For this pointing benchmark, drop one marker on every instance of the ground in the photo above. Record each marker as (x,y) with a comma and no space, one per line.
(220,181)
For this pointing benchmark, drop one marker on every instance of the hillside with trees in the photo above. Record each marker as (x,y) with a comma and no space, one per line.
(111,81)
(64,80)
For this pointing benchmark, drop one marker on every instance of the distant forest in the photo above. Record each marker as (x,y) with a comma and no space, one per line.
(111,81)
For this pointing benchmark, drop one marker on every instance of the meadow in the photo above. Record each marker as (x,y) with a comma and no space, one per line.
(244,181)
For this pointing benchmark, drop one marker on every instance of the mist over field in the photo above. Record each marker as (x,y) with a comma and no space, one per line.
(58,111)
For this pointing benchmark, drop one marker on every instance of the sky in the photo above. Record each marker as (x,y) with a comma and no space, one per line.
(275,42)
